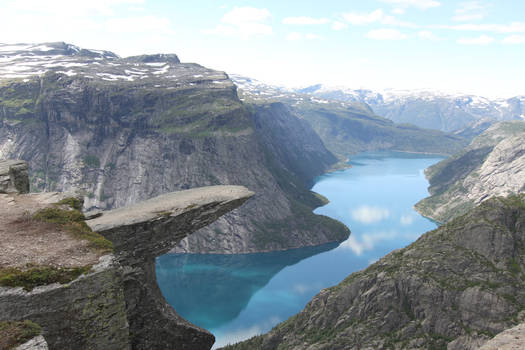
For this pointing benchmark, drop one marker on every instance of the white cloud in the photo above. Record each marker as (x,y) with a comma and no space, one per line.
(398,11)
(420,4)
(427,35)
(514,27)
(61,8)
(470,11)
(368,241)
(386,34)
(368,214)
(406,220)
(363,18)
(294,36)
(481,40)
(377,16)
(238,335)
(336,25)
(514,39)
(305,20)
(311,36)
(139,25)
(244,22)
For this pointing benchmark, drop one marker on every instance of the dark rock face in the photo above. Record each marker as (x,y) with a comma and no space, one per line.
(454,288)
(121,130)
(14,176)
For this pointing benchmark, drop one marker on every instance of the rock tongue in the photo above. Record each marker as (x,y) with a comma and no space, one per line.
(142,231)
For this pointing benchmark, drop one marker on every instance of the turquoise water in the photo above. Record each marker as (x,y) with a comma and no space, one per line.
(238,296)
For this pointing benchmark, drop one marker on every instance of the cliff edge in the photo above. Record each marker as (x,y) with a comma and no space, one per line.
(90,290)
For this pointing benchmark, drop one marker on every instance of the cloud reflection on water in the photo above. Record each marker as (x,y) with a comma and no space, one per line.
(370,214)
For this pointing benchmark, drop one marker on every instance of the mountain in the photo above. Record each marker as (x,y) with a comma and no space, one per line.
(120,130)
(459,113)
(492,165)
(454,288)
(348,127)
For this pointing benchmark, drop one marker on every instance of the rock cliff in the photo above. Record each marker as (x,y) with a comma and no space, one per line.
(454,288)
(492,165)
(121,130)
(109,300)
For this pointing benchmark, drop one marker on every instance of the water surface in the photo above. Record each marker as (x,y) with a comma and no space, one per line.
(237,296)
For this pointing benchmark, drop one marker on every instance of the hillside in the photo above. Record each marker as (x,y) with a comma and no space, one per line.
(350,126)
(492,165)
(454,288)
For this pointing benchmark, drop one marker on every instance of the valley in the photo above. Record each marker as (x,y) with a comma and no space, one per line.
(326,253)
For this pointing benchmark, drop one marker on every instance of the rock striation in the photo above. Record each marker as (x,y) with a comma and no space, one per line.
(492,165)
(116,303)
(454,288)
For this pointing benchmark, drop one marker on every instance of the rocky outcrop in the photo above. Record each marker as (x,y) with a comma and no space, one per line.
(146,230)
(14,176)
(493,165)
(37,343)
(122,130)
(454,288)
(509,339)
(87,313)
(116,303)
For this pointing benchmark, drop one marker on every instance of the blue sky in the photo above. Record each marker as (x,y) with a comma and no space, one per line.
(470,46)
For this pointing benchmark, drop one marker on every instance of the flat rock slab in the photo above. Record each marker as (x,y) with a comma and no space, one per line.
(510,339)
(26,241)
(170,204)
(37,343)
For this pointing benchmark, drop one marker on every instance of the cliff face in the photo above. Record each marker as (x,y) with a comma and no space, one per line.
(454,288)
(120,130)
(492,165)
(114,303)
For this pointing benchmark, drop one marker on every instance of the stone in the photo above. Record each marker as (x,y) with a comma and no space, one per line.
(14,176)
(37,343)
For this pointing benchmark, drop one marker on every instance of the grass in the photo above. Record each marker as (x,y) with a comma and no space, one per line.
(14,333)
(39,276)
(73,222)
(72,202)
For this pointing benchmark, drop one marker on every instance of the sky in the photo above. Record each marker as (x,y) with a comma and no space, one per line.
(475,46)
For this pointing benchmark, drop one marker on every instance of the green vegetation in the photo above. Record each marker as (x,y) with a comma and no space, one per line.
(72,202)
(91,161)
(15,333)
(39,276)
(73,222)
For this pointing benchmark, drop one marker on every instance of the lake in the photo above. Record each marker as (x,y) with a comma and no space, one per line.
(238,296)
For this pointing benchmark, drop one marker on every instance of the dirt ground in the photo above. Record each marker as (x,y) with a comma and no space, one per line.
(25,241)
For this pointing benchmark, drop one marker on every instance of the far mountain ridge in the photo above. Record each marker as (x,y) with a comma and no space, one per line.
(426,108)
